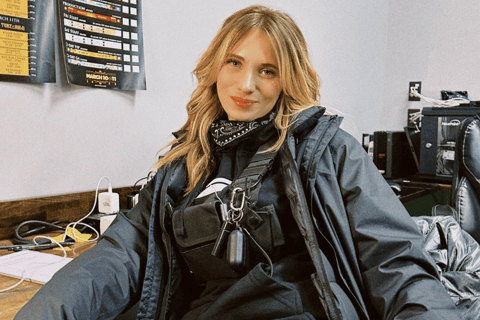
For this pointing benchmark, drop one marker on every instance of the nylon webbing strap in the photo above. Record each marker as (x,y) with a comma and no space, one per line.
(251,177)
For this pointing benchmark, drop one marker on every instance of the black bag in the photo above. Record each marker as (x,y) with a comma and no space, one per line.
(196,227)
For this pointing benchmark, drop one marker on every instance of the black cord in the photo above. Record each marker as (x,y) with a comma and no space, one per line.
(144,178)
(148,178)
(265,254)
(42,226)
(21,243)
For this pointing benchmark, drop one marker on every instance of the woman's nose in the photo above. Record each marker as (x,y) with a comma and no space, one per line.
(247,81)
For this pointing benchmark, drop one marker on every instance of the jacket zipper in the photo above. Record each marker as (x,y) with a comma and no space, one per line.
(339,271)
(309,168)
(163,307)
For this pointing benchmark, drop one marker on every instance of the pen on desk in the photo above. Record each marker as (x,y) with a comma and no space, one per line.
(16,248)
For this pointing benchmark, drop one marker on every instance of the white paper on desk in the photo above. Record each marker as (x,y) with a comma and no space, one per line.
(39,267)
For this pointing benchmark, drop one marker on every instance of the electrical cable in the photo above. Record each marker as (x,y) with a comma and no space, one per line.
(24,272)
(439,103)
(44,227)
(21,243)
(50,243)
(148,178)
(416,117)
(135,185)
(74,224)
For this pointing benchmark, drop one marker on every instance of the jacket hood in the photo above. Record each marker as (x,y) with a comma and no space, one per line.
(307,118)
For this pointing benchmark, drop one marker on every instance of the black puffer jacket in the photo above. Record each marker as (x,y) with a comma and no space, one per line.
(457,256)
(350,217)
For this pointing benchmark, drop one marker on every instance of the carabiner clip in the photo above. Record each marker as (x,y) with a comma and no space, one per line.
(232,205)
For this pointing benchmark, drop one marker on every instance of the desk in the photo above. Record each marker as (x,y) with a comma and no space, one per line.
(13,300)
(420,197)
(412,190)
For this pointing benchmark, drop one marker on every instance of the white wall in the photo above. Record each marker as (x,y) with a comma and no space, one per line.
(60,138)
(436,42)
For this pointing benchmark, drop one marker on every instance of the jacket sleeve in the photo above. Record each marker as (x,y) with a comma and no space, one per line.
(102,282)
(400,277)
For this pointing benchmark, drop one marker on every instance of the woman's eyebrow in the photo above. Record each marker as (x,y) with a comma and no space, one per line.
(269,65)
(242,59)
(236,56)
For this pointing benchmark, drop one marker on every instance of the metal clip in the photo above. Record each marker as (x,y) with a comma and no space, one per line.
(236,213)
(232,204)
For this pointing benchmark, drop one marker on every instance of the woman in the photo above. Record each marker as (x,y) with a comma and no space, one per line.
(223,231)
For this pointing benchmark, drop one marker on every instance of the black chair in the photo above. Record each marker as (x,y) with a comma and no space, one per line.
(465,194)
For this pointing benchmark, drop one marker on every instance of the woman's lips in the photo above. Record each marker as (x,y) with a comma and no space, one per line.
(242,103)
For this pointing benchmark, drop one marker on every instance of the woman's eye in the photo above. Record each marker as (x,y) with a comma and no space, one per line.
(234,63)
(268,72)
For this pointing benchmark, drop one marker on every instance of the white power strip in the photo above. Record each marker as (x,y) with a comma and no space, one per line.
(106,221)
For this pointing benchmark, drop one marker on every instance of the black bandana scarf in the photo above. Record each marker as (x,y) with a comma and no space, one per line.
(224,131)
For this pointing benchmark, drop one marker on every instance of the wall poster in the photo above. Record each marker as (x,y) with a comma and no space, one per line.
(102,42)
(27,40)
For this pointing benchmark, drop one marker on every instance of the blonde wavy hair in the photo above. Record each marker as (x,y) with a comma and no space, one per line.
(298,79)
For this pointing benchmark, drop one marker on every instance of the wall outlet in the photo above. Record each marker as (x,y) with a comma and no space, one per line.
(418,86)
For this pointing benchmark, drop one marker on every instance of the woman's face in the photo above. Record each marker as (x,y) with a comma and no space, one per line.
(248,84)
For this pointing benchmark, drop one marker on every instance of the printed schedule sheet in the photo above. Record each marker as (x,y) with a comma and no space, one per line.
(27,41)
(102,43)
